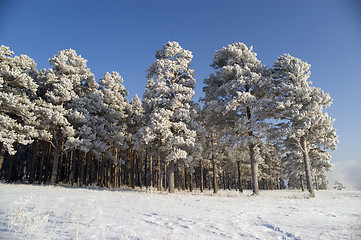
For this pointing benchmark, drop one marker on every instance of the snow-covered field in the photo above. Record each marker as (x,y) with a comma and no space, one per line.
(45,212)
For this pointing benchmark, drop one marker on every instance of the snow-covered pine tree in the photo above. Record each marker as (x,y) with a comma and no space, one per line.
(300,106)
(115,112)
(320,164)
(134,126)
(145,135)
(114,98)
(196,151)
(235,96)
(135,145)
(339,185)
(19,115)
(170,117)
(17,88)
(137,121)
(67,80)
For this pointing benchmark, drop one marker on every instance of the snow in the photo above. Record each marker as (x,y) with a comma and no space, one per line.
(46,212)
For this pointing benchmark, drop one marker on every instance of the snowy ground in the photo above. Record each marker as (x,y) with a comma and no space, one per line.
(45,212)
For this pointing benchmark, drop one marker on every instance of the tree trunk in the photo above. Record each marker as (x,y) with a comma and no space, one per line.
(74,167)
(316,182)
(229,181)
(146,169)
(54,173)
(159,169)
(240,187)
(307,167)
(133,173)
(201,184)
(190,182)
(215,175)
(81,167)
(57,152)
(301,182)
(70,166)
(102,171)
(140,171)
(269,179)
(129,167)
(42,159)
(88,168)
(165,176)
(183,174)
(254,170)
(224,179)
(24,169)
(2,153)
(171,177)
(150,170)
(10,169)
(98,167)
(179,175)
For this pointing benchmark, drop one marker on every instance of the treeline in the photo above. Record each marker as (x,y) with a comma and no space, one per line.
(259,127)
(33,163)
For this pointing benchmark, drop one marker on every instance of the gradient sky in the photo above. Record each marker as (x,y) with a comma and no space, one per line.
(123,36)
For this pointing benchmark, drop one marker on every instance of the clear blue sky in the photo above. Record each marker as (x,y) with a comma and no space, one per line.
(123,36)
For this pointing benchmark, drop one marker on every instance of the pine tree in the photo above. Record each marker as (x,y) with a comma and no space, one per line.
(145,133)
(300,107)
(170,115)
(114,98)
(17,88)
(115,113)
(235,96)
(135,123)
(67,80)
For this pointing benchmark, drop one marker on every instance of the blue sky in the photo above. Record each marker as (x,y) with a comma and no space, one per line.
(123,36)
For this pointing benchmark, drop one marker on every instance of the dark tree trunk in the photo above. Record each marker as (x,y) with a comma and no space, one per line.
(179,175)
(44,150)
(183,174)
(316,182)
(190,182)
(269,183)
(133,173)
(150,170)
(224,180)
(307,167)
(2,154)
(57,152)
(129,167)
(215,175)
(171,177)
(201,181)
(140,170)
(102,171)
(159,170)
(301,182)
(165,176)
(24,170)
(229,181)
(254,170)
(240,187)
(146,169)
(10,169)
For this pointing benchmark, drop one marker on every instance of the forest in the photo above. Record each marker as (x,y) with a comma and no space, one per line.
(256,127)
